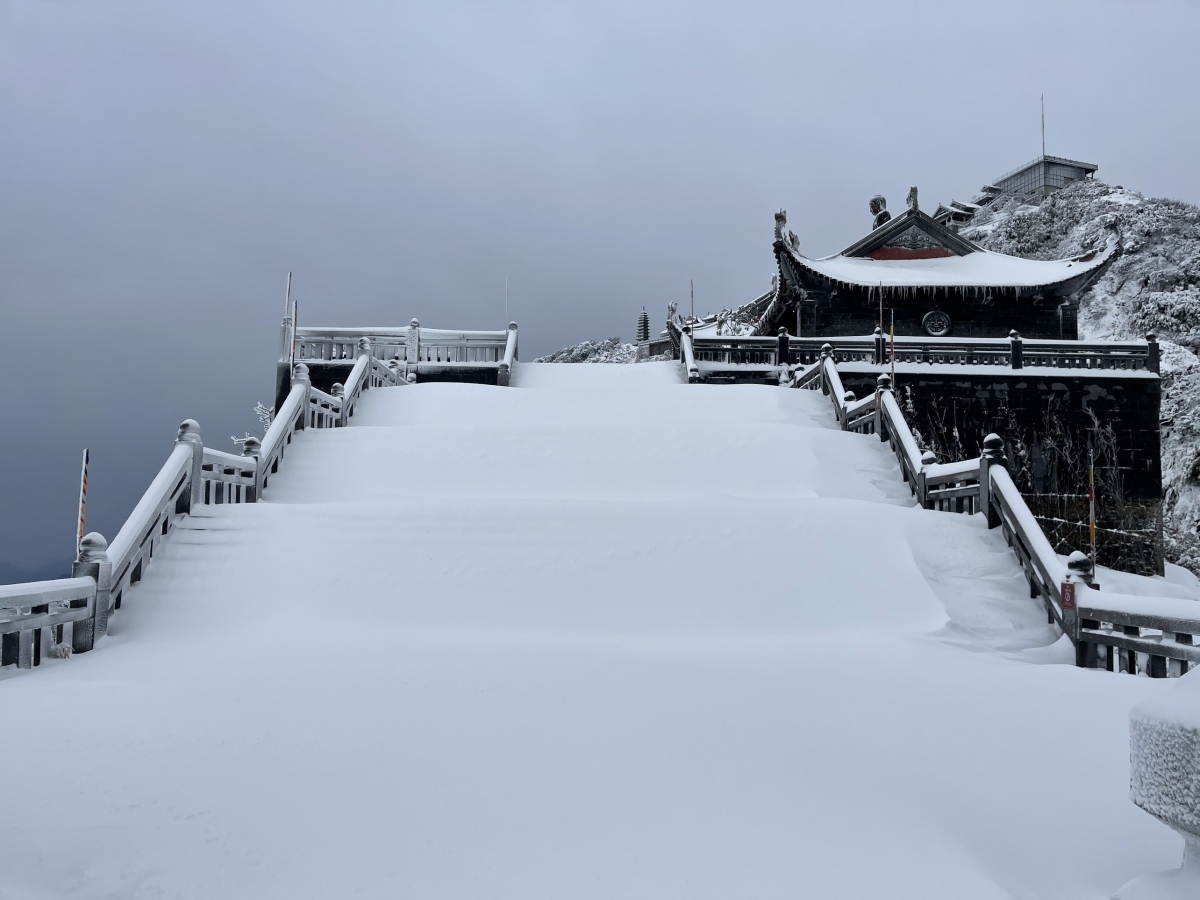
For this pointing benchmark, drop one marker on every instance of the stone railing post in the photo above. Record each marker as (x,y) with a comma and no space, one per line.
(1016,350)
(1152,356)
(882,383)
(783,349)
(826,353)
(412,345)
(92,563)
(880,347)
(394,367)
(928,458)
(992,455)
(252,448)
(1164,780)
(189,433)
(300,376)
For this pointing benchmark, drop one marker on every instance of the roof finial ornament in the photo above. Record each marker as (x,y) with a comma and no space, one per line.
(780,223)
(912,198)
(879,211)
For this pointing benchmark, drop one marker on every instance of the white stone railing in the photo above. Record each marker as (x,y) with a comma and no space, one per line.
(58,617)
(417,351)
(1152,636)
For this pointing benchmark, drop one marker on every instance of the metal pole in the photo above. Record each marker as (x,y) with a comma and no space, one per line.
(83,484)
(1092,504)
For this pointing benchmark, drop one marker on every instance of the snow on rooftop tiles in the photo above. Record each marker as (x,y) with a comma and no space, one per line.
(982,268)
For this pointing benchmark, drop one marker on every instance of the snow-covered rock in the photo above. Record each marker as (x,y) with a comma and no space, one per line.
(1154,286)
(610,351)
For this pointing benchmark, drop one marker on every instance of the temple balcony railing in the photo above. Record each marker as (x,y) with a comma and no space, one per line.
(742,356)
(1154,636)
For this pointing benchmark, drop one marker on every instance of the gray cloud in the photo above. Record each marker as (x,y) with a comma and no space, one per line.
(166,164)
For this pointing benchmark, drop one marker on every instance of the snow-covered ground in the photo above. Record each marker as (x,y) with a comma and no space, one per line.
(586,637)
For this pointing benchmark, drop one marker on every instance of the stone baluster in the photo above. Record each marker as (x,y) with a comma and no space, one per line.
(189,433)
(412,350)
(93,562)
(928,458)
(880,347)
(300,376)
(993,455)
(252,448)
(1016,349)
(882,384)
(1152,352)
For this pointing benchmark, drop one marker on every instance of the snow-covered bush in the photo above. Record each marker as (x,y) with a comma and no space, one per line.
(1154,286)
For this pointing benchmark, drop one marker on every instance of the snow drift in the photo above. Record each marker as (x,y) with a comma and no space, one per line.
(574,639)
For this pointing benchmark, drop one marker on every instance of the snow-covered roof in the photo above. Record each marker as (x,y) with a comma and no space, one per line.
(982,268)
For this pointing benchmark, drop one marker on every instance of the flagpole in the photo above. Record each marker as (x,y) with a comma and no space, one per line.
(83,485)
(1092,504)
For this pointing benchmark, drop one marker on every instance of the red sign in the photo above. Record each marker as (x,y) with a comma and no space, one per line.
(1068,596)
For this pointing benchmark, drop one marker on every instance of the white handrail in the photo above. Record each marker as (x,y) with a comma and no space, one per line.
(130,540)
(903,433)
(510,356)
(689,358)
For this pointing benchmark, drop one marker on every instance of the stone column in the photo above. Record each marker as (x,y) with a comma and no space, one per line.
(1164,780)
(92,563)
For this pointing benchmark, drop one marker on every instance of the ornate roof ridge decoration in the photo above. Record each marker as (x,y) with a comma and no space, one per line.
(897,233)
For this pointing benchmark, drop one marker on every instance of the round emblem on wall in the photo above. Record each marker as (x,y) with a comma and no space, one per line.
(936,323)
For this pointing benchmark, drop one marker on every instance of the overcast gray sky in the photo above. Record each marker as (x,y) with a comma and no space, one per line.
(165,164)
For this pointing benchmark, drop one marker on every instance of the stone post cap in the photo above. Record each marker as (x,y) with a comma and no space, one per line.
(993,446)
(189,430)
(783,331)
(1078,563)
(92,548)
(412,378)
(414,324)
(848,397)
(338,389)
(1151,337)
(251,447)
(884,382)
(1014,335)
(364,345)
(512,326)
(393,363)
(300,373)
(878,331)
(826,349)
(928,458)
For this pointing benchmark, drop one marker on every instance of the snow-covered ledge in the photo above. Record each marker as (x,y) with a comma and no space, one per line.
(1164,747)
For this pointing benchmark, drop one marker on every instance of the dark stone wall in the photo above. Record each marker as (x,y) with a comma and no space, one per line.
(1047,424)
(856,312)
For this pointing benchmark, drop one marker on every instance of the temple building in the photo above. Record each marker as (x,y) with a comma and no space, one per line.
(928,280)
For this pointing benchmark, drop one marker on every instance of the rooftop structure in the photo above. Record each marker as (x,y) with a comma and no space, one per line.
(928,280)
(1032,182)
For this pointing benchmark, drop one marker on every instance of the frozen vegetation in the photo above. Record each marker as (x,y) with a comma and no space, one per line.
(541,643)
(610,351)
(1154,286)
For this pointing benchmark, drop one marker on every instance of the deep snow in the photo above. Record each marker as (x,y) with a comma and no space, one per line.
(586,637)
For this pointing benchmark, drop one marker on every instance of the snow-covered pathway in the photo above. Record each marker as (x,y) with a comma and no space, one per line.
(602,635)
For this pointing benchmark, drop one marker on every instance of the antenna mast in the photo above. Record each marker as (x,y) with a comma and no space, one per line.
(1043,124)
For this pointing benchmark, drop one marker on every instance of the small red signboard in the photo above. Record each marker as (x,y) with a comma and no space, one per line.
(1068,596)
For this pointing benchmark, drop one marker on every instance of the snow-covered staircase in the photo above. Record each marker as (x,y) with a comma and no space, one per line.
(603,635)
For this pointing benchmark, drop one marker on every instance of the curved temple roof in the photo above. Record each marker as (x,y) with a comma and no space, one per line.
(981,268)
(914,251)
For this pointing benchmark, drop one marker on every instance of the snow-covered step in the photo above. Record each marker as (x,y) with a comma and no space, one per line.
(603,634)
